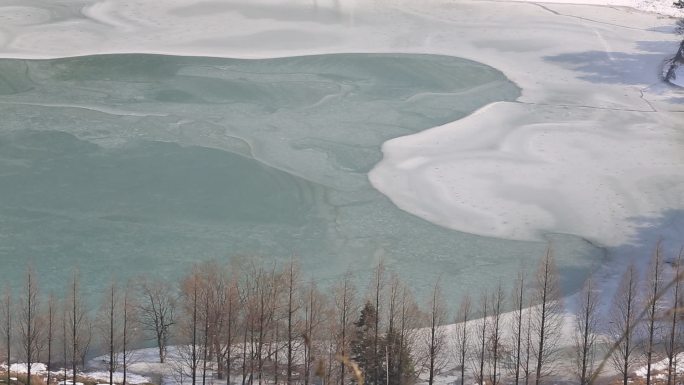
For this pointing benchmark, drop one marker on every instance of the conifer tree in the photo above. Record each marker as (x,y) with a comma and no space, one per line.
(364,345)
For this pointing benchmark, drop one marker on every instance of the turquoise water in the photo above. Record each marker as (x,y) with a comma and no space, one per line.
(128,164)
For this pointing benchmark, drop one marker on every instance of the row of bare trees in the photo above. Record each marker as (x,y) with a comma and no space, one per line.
(248,322)
(507,338)
(639,326)
(63,330)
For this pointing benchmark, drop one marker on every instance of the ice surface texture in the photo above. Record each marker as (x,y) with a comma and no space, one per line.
(130,163)
(589,77)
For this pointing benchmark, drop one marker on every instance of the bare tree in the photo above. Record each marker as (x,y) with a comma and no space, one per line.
(546,317)
(345,297)
(114,319)
(129,330)
(209,303)
(403,320)
(258,318)
(495,340)
(231,318)
(377,292)
(436,341)
(50,319)
(654,283)
(672,344)
(462,340)
(30,323)
(264,310)
(314,312)
(245,298)
(528,348)
(191,300)
(586,323)
(207,298)
(393,309)
(65,341)
(409,321)
(106,327)
(482,331)
(517,325)
(275,345)
(156,309)
(79,325)
(212,280)
(7,326)
(292,286)
(623,321)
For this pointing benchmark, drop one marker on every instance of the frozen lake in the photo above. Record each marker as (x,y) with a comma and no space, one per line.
(125,164)
(109,149)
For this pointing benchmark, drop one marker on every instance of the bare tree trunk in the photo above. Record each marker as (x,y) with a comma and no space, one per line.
(292,308)
(31,296)
(546,316)
(65,342)
(654,281)
(50,326)
(484,306)
(157,312)
(74,333)
(7,326)
(229,360)
(528,347)
(462,340)
(518,302)
(267,284)
(252,355)
(436,342)
(245,299)
(193,367)
(378,283)
(408,325)
(344,302)
(495,336)
(244,354)
(205,347)
(308,334)
(624,317)
(391,325)
(233,292)
(80,327)
(276,341)
(112,362)
(586,322)
(672,346)
(29,323)
(125,334)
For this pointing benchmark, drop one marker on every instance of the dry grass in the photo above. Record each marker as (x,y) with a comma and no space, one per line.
(22,378)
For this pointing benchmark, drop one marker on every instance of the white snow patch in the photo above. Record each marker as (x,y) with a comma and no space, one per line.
(660,367)
(131,378)
(69,382)
(36,368)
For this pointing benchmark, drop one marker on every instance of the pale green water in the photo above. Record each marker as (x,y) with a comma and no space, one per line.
(126,164)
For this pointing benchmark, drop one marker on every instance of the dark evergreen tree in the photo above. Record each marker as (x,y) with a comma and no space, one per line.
(400,367)
(364,344)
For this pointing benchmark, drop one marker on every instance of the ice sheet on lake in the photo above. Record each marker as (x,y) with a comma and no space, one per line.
(586,72)
(134,163)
